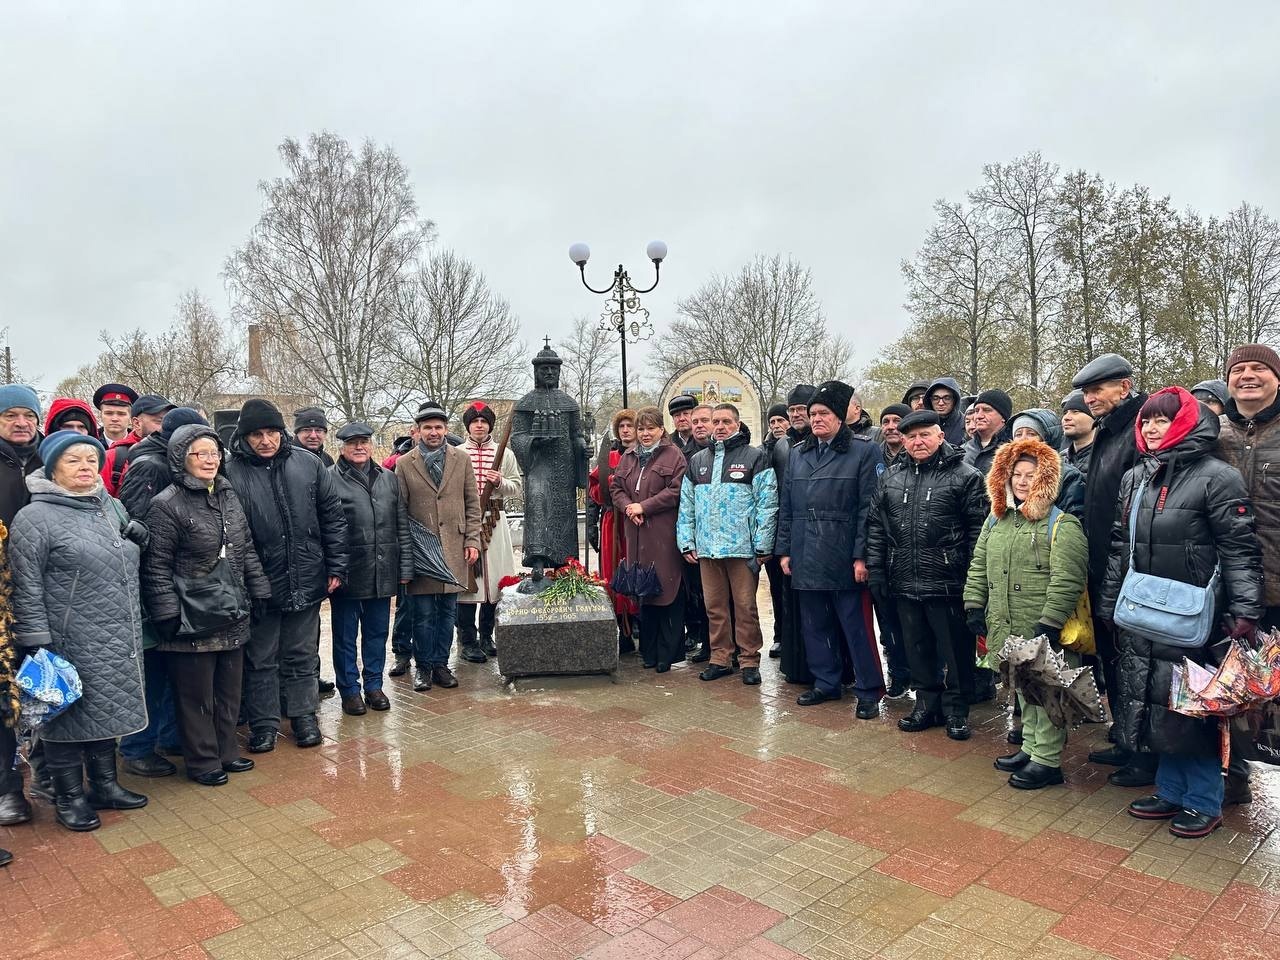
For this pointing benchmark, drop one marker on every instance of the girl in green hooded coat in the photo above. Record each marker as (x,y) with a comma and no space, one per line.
(1025,581)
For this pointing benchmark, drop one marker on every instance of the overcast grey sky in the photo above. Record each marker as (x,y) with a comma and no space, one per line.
(135,134)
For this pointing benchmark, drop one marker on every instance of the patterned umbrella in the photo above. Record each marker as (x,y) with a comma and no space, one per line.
(1040,673)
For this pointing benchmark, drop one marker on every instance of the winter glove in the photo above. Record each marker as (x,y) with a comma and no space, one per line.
(136,532)
(1053,633)
(257,610)
(976,621)
(593,537)
(1244,629)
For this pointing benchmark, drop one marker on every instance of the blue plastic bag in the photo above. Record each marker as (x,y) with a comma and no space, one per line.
(47,685)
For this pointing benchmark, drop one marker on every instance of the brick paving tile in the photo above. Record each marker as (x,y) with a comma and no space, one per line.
(660,817)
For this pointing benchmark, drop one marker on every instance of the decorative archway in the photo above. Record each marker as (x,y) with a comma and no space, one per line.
(717,381)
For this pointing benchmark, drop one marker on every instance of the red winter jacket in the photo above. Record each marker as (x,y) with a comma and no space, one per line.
(61,406)
(116,462)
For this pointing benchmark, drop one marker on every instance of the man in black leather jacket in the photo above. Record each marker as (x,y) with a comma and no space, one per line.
(925,520)
(300,532)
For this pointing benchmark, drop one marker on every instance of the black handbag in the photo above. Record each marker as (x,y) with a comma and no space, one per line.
(211,602)
(634,580)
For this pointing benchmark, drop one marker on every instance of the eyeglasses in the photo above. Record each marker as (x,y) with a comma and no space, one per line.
(208,456)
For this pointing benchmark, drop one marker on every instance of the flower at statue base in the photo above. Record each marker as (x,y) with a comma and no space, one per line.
(565,583)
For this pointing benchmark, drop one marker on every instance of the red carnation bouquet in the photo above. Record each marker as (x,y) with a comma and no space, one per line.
(568,583)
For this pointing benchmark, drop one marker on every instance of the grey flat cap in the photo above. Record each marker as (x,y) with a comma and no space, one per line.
(1109,366)
(349,431)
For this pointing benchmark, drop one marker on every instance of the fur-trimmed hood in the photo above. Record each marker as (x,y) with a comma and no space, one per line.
(1044,490)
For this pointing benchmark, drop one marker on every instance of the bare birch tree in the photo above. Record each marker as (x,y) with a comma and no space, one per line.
(452,338)
(766,319)
(1141,268)
(955,286)
(196,357)
(1082,216)
(1019,197)
(322,268)
(1255,242)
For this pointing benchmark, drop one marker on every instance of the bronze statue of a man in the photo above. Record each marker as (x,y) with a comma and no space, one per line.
(546,435)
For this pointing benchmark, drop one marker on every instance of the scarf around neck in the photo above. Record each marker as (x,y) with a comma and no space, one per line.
(434,462)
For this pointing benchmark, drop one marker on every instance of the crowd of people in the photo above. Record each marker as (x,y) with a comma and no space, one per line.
(954,524)
(182,572)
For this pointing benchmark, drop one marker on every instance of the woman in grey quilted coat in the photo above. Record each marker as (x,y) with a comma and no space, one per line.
(74,558)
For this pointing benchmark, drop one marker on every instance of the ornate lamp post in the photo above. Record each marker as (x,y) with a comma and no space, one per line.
(623,300)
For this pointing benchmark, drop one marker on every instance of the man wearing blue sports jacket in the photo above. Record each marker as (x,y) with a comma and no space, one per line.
(728,516)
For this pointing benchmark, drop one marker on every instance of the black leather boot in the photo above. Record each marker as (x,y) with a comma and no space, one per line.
(14,809)
(41,786)
(105,792)
(468,640)
(71,809)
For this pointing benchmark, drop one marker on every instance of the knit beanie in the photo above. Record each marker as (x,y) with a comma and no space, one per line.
(259,415)
(180,417)
(1257,353)
(430,410)
(998,400)
(56,444)
(898,410)
(1026,420)
(310,417)
(1075,401)
(777,410)
(62,411)
(19,395)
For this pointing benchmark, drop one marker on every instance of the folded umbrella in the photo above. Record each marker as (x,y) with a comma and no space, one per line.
(428,555)
(1241,692)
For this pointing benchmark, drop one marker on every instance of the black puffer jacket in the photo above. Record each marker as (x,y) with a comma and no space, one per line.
(1194,514)
(15,465)
(323,454)
(1114,452)
(147,474)
(864,428)
(295,515)
(188,525)
(380,551)
(1252,446)
(980,457)
(925,520)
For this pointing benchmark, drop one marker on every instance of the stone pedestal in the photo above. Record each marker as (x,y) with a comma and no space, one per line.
(538,639)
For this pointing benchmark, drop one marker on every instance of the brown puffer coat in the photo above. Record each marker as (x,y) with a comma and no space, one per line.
(1252,446)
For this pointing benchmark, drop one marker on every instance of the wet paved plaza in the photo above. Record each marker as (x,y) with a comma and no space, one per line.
(661,817)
